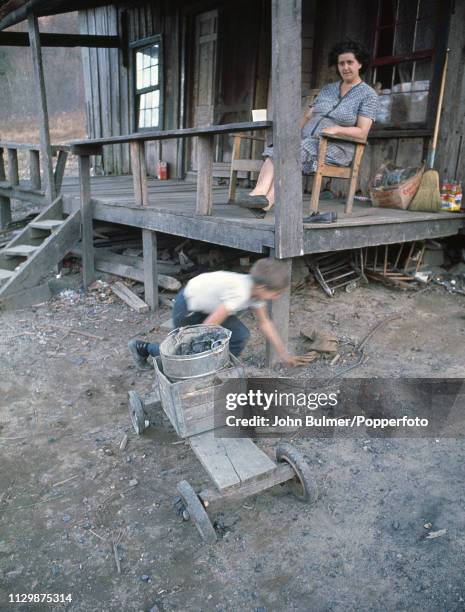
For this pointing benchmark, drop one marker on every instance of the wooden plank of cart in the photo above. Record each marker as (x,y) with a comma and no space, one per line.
(236,466)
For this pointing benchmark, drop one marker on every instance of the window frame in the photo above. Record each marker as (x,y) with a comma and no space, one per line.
(435,54)
(134,47)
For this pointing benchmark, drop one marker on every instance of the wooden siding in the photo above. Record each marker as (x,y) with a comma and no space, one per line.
(450,154)
(109,83)
(106,89)
(308,41)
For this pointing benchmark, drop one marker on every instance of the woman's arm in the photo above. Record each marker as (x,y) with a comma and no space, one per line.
(358,131)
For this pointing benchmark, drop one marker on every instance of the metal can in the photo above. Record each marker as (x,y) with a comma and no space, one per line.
(162,170)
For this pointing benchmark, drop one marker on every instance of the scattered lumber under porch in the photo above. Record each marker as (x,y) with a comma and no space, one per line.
(129,267)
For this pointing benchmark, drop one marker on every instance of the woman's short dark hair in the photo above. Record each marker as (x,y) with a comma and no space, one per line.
(349,46)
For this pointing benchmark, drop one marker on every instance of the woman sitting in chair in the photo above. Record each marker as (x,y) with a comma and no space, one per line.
(345,108)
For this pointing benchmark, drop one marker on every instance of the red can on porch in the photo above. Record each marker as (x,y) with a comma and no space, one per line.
(162,170)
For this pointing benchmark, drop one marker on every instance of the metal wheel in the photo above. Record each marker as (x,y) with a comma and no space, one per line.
(303,485)
(137,413)
(195,511)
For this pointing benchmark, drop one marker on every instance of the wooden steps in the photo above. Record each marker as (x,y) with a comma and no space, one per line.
(5,274)
(47,224)
(40,253)
(21,250)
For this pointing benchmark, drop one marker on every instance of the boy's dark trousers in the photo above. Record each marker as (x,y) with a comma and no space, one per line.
(182,317)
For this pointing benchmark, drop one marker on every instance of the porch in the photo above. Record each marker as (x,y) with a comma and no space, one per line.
(171,208)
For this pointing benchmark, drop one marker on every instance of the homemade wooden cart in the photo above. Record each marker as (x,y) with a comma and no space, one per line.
(236,466)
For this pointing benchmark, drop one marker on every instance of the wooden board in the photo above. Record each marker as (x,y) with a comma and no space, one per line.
(211,130)
(21,250)
(27,297)
(128,297)
(39,81)
(47,254)
(237,227)
(230,461)
(279,313)
(149,242)
(21,39)
(282,473)
(87,226)
(192,404)
(286,78)
(6,274)
(47,224)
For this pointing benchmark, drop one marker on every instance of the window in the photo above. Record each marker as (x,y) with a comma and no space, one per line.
(147,81)
(402,61)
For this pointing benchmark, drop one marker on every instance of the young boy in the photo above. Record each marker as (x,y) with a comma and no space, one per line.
(214,298)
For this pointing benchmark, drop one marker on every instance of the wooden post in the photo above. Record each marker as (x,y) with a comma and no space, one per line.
(318,178)
(149,244)
(236,153)
(279,313)
(34,169)
(45,145)
(204,175)
(5,203)
(286,89)
(139,173)
(359,148)
(60,169)
(87,238)
(13,173)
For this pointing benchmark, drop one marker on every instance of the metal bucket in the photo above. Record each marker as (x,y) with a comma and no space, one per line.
(178,366)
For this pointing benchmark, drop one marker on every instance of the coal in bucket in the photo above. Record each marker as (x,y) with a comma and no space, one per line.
(194,351)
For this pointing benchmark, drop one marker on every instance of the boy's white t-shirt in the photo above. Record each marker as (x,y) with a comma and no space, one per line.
(206,292)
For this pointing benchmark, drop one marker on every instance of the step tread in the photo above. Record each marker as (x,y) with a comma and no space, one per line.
(4,274)
(46,224)
(22,250)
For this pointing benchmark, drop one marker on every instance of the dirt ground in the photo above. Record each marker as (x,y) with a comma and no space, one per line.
(67,491)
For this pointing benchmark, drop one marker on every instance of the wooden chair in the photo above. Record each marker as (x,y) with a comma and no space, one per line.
(241,165)
(342,172)
(349,173)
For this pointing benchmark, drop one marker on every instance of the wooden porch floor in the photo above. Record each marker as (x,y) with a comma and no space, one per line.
(172,210)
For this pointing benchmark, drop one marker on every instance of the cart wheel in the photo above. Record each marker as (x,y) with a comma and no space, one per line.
(136,412)
(303,485)
(196,512)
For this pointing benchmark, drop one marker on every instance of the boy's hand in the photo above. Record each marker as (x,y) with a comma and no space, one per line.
(290,360)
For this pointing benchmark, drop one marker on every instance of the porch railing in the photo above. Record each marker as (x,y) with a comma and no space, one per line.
(26,186)
(205,152)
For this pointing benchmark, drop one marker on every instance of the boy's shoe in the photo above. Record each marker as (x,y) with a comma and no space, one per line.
(139,352)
